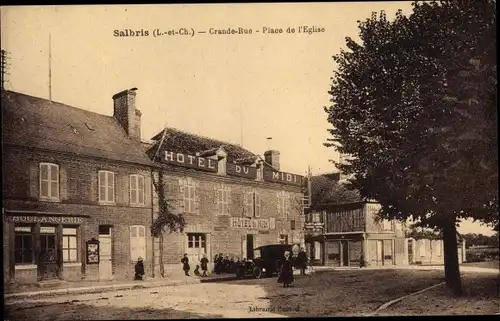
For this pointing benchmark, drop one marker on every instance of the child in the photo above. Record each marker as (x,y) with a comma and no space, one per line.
(185,264)
(197,270)
(204,264)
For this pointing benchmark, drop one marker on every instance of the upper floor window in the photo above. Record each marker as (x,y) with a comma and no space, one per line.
(222,198)
(252,204)
(387,225)
(283,203)
(49,181)
(137,189)
(106,187)
(189,196)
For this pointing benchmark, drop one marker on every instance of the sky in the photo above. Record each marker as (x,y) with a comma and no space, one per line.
(236,88)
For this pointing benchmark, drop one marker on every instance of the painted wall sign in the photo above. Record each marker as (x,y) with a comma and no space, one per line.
(282,177)
(190,161)
(93,251)
(241,171)
(250,223)
(46,219)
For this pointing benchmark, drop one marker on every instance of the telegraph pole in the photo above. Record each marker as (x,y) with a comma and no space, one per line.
(50,69)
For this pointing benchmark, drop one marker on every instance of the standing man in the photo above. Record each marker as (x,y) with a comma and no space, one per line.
(185,264)
(302,261)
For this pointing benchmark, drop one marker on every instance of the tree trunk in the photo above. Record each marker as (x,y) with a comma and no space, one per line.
(162,267)
(451,268)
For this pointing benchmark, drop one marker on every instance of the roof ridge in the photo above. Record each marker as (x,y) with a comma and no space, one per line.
(206,137)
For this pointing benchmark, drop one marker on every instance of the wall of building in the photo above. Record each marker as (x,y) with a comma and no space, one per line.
(78,188)
(221,236)
(429,252)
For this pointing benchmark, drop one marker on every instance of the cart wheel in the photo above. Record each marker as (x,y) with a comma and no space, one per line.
(257,272)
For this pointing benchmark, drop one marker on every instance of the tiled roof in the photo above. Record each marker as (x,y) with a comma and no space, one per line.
(39,123)
(187,143)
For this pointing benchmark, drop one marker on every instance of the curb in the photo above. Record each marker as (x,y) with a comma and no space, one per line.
(110,288)
(388,304)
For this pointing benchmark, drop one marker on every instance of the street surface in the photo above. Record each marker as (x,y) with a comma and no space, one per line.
(332,293)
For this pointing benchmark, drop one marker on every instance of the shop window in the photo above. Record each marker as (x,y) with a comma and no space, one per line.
(137,242)
(106,187)
(23,245)
(69,245)
(49,181)
(137,189)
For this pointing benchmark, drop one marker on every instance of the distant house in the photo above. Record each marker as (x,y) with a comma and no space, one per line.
(428,251)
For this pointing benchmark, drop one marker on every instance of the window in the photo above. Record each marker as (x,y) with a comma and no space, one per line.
(49,181)
(292,224)
(69,246)
(222,198)
(317,217)
(283,203)
(252,204)
(137,242)
(137,189)
(23,245)
(387,225)
(189,196)
(106,187)
(196,241)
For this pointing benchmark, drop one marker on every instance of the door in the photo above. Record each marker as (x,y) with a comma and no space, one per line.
(410,251)
(380,253)
(250,246)
(105,244)
(47,263)
(345,253)
(197,246)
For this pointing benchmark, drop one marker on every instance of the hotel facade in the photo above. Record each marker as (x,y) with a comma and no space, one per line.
(79,199)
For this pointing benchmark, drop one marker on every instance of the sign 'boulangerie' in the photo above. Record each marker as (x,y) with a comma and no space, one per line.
(46,219)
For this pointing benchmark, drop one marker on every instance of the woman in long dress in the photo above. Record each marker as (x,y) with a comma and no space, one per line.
(286,271)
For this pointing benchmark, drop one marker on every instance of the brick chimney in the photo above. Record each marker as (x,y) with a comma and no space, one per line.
(272,157)
(126,114)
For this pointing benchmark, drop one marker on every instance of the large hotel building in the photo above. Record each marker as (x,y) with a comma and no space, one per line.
(79,198)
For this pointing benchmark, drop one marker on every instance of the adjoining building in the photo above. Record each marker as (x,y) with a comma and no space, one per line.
(233,200)
(72,177)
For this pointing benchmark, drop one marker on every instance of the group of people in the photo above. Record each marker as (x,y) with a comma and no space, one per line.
(222,265)
(285,275)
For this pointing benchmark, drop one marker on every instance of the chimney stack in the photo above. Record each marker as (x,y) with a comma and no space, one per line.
(272,157)
(126,114)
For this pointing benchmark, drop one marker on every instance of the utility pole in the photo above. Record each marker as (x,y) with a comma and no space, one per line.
(4,67)
(50,69)
(309,185)
(241,126)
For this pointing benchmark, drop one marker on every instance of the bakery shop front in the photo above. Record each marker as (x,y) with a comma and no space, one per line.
(45,245)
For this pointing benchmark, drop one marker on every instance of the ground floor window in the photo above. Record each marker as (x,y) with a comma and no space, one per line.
(23,244)
(69,244)
(48,253)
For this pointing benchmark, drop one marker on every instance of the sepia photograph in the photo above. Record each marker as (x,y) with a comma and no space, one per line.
(249,160)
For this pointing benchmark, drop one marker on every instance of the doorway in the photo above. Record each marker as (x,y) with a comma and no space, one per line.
(105,253)
(250,253)
(47,264)
(410,251)
(197,246)
(380,253)
(345,253)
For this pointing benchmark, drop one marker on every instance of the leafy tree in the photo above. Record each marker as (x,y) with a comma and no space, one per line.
(166,221)
(414,106)
(326,190)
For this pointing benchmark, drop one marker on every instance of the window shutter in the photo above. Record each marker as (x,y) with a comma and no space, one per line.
(229,198)
(278,206)
(141,187)
(111,186)
(63,179)
(245,202)
(272,223)
(197,195)
(34,174)
(54,181)
(287,205)
(216,194)
(44,180)
(257,205)
(182,195)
